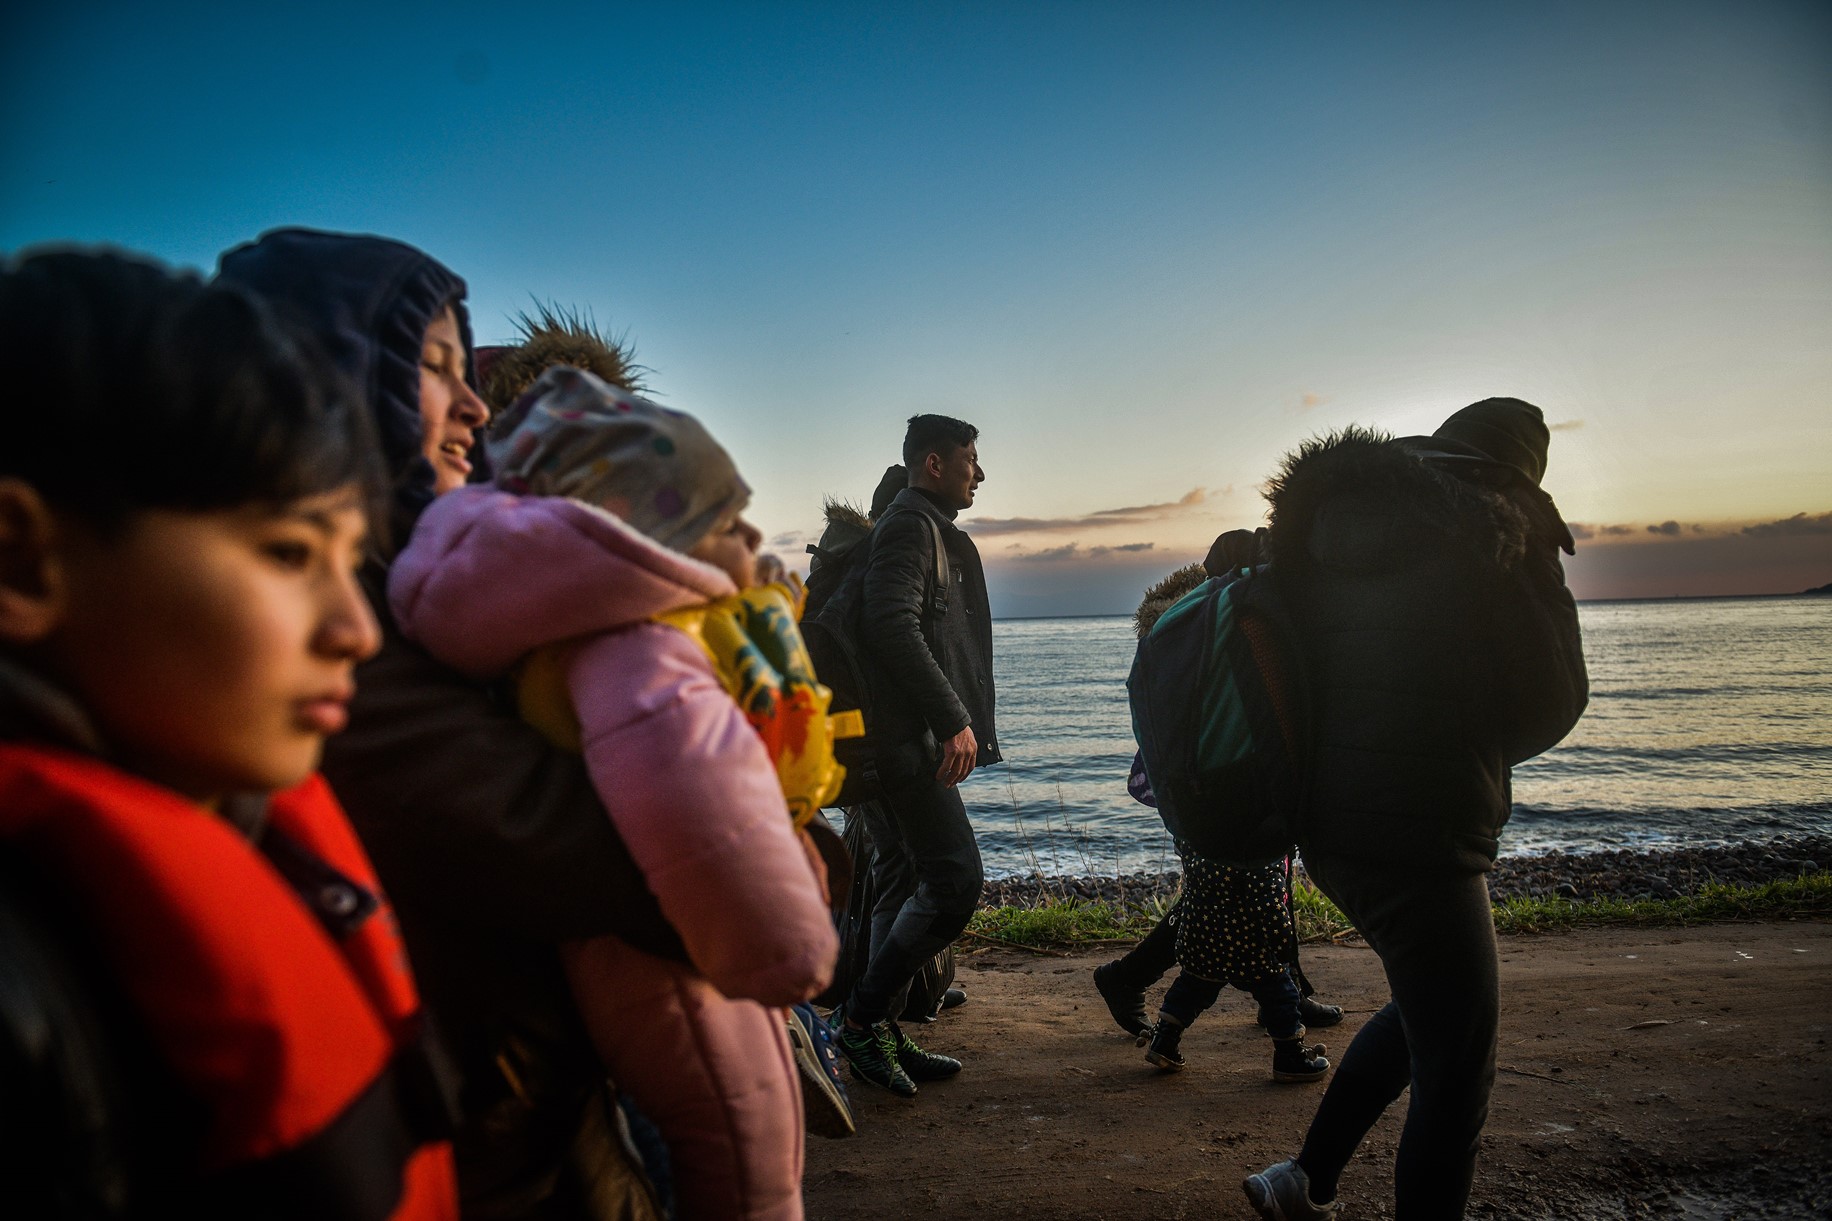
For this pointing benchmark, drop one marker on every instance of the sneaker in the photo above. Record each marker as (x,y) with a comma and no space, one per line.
(1293,1062)
(953,998)
(1125,1004)
(825,1110)
(1163,1052)
(919,1064)
(872,1056)
(1313,1013)
(1282,1193)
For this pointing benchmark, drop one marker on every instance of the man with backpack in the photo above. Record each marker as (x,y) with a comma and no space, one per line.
(923,635)
(1442,648)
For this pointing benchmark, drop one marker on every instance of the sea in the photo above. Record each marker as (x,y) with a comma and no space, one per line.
(1710,722)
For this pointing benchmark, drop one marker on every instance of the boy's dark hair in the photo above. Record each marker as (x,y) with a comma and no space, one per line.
(130,387)
(935,434)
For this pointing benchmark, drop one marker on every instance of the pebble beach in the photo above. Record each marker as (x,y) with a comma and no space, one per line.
(1578,876)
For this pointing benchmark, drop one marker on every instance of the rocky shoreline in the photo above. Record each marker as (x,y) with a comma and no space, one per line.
(1654,874)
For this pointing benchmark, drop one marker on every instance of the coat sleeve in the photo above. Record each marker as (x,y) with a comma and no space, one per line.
(691,790)
(470,813)
(896,578)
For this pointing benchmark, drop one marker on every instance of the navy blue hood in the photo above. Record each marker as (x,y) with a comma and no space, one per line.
(369,300)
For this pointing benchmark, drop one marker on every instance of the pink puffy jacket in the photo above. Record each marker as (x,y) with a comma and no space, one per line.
(488,577)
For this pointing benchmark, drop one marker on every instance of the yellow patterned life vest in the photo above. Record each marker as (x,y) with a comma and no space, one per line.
(756,649)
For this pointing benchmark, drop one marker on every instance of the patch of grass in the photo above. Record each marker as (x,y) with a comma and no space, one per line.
(1713,903)
(1067,922)
(1062,922)
(1318,918)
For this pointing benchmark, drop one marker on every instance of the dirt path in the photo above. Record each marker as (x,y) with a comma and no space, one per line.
(1723,1109)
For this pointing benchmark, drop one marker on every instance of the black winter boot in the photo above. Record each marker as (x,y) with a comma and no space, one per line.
(1127,1005)
(1294,1062)
(1164,1051)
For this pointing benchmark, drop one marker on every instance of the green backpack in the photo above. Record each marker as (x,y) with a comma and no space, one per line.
(1220,714)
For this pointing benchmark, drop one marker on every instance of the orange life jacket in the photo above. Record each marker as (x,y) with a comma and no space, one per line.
(272,982)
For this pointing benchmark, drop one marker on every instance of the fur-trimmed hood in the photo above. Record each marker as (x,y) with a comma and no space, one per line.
(837,512)
(554,336)
(1162,596)
(1438,487)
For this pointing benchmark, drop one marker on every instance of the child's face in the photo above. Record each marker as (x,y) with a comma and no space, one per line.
(214,650)
(731,546)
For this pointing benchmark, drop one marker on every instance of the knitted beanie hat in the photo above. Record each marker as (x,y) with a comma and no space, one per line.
(1510,431)
(658,470)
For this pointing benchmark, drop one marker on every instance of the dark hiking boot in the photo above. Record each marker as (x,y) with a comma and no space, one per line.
(919,1064)
(1313,1013)
(1164,1051)
(1127,1005)
(1294,1062)
(1282,1193)
(872,1055)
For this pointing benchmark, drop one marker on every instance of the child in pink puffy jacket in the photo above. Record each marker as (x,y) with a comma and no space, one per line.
(606,512)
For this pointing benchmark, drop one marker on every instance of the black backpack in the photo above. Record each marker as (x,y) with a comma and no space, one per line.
(830,626)
(1222,719)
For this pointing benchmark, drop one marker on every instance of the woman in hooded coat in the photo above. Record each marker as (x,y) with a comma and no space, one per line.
(491,840)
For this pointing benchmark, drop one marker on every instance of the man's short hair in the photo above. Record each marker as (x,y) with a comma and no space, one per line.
(935,434)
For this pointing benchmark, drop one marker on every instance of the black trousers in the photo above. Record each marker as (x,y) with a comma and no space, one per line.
(1435,934)
(928,874)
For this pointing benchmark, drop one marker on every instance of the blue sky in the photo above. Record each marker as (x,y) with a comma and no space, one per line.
(1147,248)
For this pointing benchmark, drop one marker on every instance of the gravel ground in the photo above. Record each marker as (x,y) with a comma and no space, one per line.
(1661,874)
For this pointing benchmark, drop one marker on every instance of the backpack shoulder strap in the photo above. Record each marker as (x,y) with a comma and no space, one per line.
(940,578)
(941,555)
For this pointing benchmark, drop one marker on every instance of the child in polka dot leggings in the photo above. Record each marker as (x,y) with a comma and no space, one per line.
(1233,927)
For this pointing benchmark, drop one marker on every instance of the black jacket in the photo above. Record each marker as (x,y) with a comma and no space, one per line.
(929,672)
(492,842)
(1441,644)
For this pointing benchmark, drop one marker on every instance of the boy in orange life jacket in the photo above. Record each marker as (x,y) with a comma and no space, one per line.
(184,498)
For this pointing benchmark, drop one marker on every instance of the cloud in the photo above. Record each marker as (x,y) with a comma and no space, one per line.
(1075,551)
(1800,523)
(986,527)
(1566,426)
